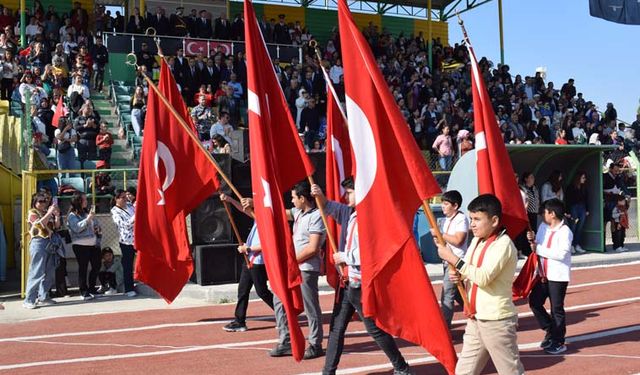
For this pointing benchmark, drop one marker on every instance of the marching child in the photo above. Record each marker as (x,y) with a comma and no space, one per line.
(489,266)
(553,246)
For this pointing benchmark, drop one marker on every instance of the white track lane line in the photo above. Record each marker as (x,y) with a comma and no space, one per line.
(248,344)
(434,282)
(270,318)
(533,345)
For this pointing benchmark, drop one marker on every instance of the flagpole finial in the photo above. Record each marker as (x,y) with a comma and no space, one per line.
(460,21)
(132,60)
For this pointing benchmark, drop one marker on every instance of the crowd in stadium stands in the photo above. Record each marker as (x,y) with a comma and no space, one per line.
(63,56)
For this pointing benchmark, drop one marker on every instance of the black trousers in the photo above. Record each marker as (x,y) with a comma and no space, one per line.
(99,78)
(352,302)
(128,255)
(555,324)
(617,236)
(249,277)
(61,273)
(108,279)
(5,89)
(87,255)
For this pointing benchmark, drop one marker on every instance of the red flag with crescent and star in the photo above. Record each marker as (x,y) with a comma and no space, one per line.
(338,167)
(175,176)
(392,179)
(278,161)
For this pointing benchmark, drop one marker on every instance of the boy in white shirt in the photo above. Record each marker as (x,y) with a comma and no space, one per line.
(454,231)
(553,246)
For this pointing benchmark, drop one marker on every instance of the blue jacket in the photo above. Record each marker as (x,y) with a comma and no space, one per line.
(80,227)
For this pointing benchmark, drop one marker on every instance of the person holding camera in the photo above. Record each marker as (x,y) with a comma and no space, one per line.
(85,237)
(65,135)
(86,127)
(43,219)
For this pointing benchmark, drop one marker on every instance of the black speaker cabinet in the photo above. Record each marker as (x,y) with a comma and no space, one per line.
(240,144)
(210,224)
(217,264)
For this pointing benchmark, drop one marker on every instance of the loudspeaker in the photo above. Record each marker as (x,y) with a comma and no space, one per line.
(210,224)
(217,264)
(240,144)
(242,177)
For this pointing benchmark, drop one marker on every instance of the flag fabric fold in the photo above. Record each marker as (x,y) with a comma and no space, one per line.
(338,167)
(392,179)
(494,168)
(174,177)
(527,278)
(278,161)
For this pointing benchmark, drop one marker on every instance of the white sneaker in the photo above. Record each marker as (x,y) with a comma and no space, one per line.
(88,297)
(110,292)
(580,250)
(46,302)
(29,305)
(131,294)
(102,289)
(624,249)
(620,250)
(573,250)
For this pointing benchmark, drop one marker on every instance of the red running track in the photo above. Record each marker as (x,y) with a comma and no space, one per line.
(603,316)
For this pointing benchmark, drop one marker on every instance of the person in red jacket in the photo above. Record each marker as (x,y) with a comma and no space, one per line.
(104,141)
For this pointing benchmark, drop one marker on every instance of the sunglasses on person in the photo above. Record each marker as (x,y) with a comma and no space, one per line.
(42,201)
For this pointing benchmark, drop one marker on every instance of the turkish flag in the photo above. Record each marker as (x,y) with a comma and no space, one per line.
(58,113)
(338,167)
(278,161)
(174,177)
(495,172)
(392,180)
(527,278)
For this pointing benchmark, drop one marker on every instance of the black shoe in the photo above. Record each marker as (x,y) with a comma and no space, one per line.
(546,343)
(235,327)
(280,351)
(313,352)
(556,349)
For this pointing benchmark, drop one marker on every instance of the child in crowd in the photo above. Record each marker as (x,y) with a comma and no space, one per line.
(111,275)
(104,141)
(619,224)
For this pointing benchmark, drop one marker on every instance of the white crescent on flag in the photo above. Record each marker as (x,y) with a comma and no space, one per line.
(364,149)
(163,153)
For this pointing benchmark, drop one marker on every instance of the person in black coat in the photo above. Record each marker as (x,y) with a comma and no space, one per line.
(222,27)
(203,26)
(100,56)
(192,21)
(180,65)
(145,57)
(191,82)
(159,22)
(281,32)
(137,24)
(237,28)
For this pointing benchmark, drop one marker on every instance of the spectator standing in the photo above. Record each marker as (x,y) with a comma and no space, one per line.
(553,246)
(111,274)
(86,127)
(281,31)
(578,204)
(123,214)
(138,105)
(43,219)
(552,188)
(104,141)
(222,27)
(145,57)
(136,24)
(527,184)
(231,105)
(159,22)
(300,104)
(100,58)
(222,127)
(84,231)
(203,26)
(77,93)
(201,115)
(65,136)
(9,67)
(178,23)
(443,145)
(310,122)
